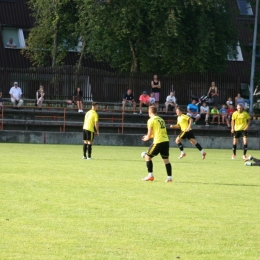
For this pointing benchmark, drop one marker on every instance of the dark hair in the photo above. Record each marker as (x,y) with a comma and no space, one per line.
(94,103)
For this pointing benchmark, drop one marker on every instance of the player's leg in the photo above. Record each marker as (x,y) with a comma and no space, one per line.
(152,151)
(85,144)
(235,139)
(165,156)
(178,142)
(193,141)
(140,106)
(88,141)
(134,106)
(245,144)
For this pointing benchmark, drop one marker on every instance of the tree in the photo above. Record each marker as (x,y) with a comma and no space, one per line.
(50,36)
(166,36)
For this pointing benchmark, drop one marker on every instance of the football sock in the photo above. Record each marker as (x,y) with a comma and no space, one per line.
(198,146)
(180,146)
(85,146)
(169,169)
(234,149)
(202,151)
(150,174)
(149,165)
(245,149)
(89,150)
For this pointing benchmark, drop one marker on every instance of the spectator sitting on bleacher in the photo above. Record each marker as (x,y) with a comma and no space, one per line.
(77,99)
(193,111)
(204,112)
(144,101)
(16,96)
(128,100)
(40,97)
(239,100)
(224,115)
(152,100)
(229,102)
(215,114)
(170,102)
(230,111)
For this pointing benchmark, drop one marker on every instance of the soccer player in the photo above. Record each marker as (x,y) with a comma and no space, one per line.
(251,158)
(239,126)
(157,130)
(89,127)
(184,122)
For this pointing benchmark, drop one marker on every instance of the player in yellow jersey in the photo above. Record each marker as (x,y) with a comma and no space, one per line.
(239,126)
(184,122)
(89,127)
(157,130)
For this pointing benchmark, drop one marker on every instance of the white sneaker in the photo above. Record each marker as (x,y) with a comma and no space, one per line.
(79,111)
(244,157)
(84,157)
(182,155)
(140,113)
(89,158)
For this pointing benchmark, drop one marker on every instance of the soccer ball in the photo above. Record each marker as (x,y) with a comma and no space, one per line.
(143,154)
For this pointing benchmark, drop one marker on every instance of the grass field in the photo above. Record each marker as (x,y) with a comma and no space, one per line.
(54,205)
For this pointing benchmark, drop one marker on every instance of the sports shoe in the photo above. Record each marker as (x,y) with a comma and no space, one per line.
(168,180)
(89,158)
(248,164)
(182,155)
(203,156)
(147,178)
(233,157)
(140,113)
(244,157)
(84,157)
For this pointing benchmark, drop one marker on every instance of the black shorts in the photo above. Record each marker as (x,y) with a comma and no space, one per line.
(88,135)
(189,135)
(160,148)
(238,134)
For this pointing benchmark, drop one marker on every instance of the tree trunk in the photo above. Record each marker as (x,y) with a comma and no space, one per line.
(134,65)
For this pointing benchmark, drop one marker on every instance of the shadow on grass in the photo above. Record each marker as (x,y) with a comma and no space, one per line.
(222,184)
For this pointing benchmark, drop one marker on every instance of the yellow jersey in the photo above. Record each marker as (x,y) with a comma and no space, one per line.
(91,118)
(183,122)
(158,129)
(240,120)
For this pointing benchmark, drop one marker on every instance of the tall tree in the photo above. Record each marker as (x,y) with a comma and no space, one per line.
(166,36)
(50,37)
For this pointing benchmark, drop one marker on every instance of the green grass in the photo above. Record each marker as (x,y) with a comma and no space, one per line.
(54,205)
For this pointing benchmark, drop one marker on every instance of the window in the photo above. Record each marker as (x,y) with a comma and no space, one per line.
(18,37)
(239,56)
(244,7)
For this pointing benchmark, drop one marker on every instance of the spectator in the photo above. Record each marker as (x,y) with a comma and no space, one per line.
(215,114)
(1,101)
(77,99)
(193,111)
(16,96)
(152,100)
(239,100)
(204,112)
(11,43)
(213,93)
(170,102)
(144,101)
(230,111)
(128,100)
(40,97)
(224,115)
(229,102)
(156,88)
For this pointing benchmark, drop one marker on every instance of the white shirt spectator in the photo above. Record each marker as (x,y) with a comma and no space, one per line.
(204,109)
(152,100)
(16,92)
(171,99)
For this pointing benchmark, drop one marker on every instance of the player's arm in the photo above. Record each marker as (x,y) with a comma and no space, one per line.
(248,123)
(175,126)
(97,128)
(232,125)
(149,134)
(189,126)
